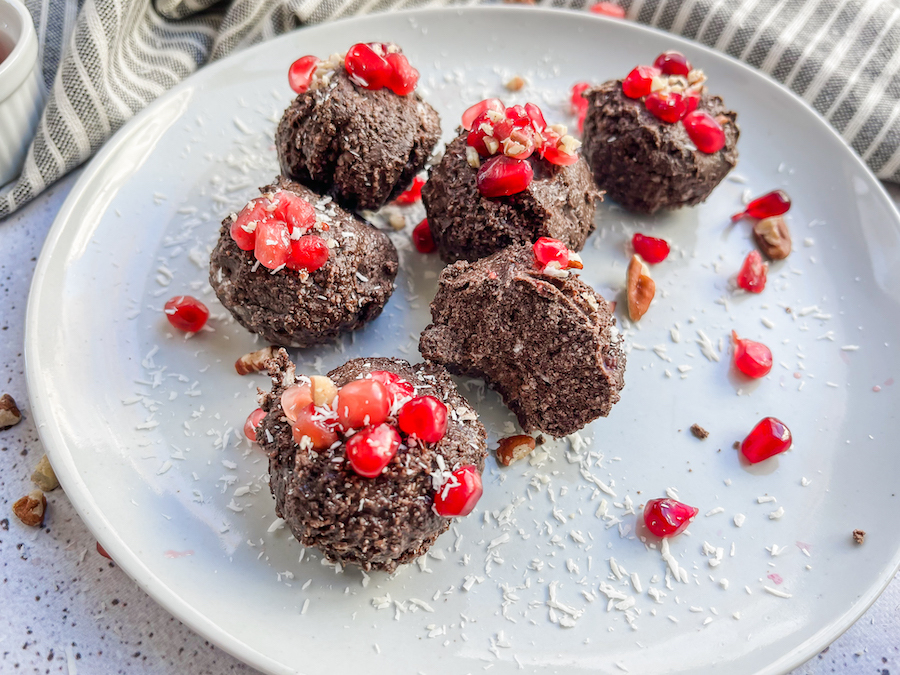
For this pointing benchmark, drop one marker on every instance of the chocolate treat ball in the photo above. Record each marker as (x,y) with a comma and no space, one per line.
(545,340)
(646,164)
(301,308)
(375,522)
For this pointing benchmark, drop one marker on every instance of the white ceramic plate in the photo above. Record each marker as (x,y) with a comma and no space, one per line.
(135,417)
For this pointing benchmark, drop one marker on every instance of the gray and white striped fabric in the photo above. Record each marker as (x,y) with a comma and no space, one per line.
(104,60)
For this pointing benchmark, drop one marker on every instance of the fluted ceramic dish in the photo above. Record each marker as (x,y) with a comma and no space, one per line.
(143,426)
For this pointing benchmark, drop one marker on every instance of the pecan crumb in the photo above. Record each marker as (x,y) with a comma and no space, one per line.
(699,431)
(540,440)
(31,508)
(515,84)
(9,412)
(859,536)
(514,448)
(44,476)
(736,445)
(254,362)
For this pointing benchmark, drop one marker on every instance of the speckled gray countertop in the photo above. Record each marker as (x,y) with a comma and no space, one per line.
(66,609)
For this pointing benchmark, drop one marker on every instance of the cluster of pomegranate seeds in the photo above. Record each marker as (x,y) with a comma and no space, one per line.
(668,517)
(412,194)
(651,249)
(459,495)
(376,65)
(773,203)
(579,102)
(753,359)
(608,9)
(705,131)
(274,227)
(769,437)
(301,72)
(752,276)
(372,448)
(422,239)
(252,424)
(186,313)
(508,137)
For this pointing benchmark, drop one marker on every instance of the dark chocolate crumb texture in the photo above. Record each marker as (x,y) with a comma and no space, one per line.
(372,469)
(540,336)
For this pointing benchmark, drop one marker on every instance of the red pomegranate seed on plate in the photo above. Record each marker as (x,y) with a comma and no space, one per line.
(102,551)
(705,132)
(309,252)
(547,250)
(769,437)
(404,77)
(310,424)
(753,359)
(295,398)
(396,385)
(469,116)
(668,517)
(639,81)
(501,176)
(372,448)
(673,63)
(301,72)
(608,9)
(651,249)
(252,424)
(186,313)
(366,67)
(422,239)
(362,403)
(412,194)
(459,495)
(752,277)
(669,107)
(425,417)
(273,244)
(773,203)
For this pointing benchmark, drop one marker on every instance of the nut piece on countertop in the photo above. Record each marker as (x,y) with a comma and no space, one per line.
(859,536)
(9,413)
(515,84)
(254,362)
(699,431)
(514,448)
(31,508)
(44,476)
(773,237)
(639,288)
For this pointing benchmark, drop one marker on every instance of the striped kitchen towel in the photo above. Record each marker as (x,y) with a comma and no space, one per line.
(104,60)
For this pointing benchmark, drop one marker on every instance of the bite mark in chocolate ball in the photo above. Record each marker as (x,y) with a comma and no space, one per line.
(540,336)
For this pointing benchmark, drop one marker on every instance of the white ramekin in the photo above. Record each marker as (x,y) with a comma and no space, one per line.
(21,88)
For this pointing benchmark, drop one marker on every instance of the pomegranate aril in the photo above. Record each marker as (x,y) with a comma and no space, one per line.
(362,403)
(372,448)
(774,203)
(252,424)
(459,495)
(294,211)
(404,77)
(422,239)
(518,116)
(547,250)
(294,399)
(472,113)
(668,517)
(243,229)
(396,385)
(310,252)
(608,9)
(669,107)
(412,194)
(537,117)
(673,63)
(186,313)
(483,128)
(555,155)
(501,176)
(273,244)
(366,67)
(752,277)
(691,101)
(301,72)
(638,82)
(705,132)
(102,551)
(651,249)
(520,144)
(311,424)
(753,359)
(768,438)
(579,102)
(425,417)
